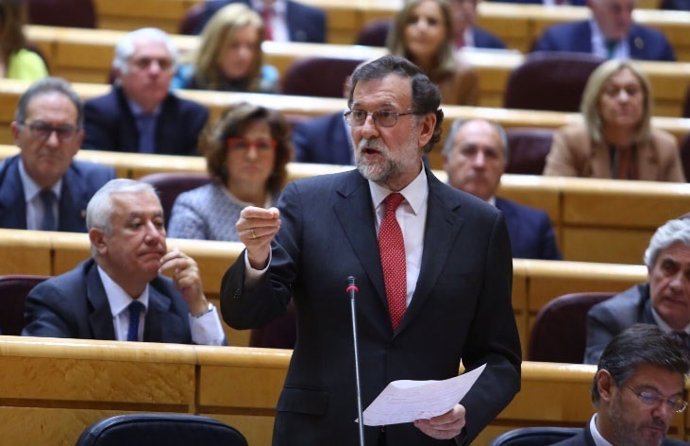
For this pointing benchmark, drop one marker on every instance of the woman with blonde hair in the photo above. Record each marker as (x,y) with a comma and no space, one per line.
(16,61)
(422,32)
(247,152)
(616,138)
(229,57)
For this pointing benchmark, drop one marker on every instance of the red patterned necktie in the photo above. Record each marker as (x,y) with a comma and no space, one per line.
(392,250)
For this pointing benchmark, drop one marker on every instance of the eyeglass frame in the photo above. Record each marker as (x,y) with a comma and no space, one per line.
(231,141)
(654,398)
(143,63)
(375,115)
(35,131)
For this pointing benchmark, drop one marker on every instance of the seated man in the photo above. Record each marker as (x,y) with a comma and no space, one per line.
(140,114)
(637,389)
(324,139)
(610,34)
(465,31)
(284,20)
(663,301)
(474,157)
(120,293)
(43,187)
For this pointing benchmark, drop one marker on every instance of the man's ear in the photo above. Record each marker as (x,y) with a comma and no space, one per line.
(428,125)
(605,384)
(97,239)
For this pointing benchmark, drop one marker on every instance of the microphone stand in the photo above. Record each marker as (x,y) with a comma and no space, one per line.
(352,291)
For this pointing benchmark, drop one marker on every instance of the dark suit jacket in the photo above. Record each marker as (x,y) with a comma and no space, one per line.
(606,319)
(485,39)
(79,183)
(584,438)
(460,309)
(110,125)
(645,43)
(74,305)
(305,23)
(323,140)
(530,230)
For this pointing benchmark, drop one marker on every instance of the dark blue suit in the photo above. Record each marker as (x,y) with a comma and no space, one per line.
(645,43)
(485,39)
(305,23)
(323,140)
(530,230)
(74,305)
(460,309)
(110,125)
(584,438)
(79,183)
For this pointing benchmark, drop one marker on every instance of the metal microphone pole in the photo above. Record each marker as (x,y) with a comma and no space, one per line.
(352,291)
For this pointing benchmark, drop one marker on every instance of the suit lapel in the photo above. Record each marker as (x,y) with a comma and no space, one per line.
(353,204)
(12,204)
(442,227)
(101,318)
(162,324)
(72,201)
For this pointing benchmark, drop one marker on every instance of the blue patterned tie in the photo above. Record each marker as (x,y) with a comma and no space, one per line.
(48,200)
(147,137)
(135,309)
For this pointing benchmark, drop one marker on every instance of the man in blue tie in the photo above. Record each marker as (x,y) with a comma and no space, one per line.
(44,187)
(120,293)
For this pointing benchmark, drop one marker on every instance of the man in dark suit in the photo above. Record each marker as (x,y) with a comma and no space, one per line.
(664,300)
(44,187)
(290,20)
(140,114)
(610,34)
(475,155)
(120,293)
(465,31)
(637,389)
(325,140)
(439,292)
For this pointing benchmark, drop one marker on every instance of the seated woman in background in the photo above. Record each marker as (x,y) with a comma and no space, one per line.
(16,61)
(246,151)
(423,33)
(616,139)
(229,57)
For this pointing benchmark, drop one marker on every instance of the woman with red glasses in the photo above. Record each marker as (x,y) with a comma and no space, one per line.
(246,151)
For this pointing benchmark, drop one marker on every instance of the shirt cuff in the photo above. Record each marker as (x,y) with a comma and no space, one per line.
(207,329)
(252,276)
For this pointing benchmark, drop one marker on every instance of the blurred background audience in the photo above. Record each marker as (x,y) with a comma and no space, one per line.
(16,60)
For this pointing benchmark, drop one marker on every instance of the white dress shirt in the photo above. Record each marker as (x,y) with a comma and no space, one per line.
(621,50)
(278,25)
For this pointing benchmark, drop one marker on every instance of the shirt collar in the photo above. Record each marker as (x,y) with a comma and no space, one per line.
(118,299)
(415,193)
(596,435)
(31,189)
(137,111)
(663,326)
(279,6)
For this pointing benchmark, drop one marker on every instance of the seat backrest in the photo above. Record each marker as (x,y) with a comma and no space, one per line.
(528,148)
(281,332)
(685,155)
(13,291)
(318,76)
(74,13)
(374,32)
(171,184)
(550,81)
(160,429)
(535,436)
(559,333)
(193,20)
(686,104)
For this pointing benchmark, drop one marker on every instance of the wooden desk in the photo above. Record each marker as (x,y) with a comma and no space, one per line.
(53,388)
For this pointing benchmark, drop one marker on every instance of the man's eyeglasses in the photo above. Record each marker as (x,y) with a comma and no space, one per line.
(43,130)
(384,118)
(143,63)
(651,398)
(243,145)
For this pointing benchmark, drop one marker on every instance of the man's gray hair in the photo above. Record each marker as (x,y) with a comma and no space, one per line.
(127,45)
(99,211)
(672,232)
(457,125)
(49,85)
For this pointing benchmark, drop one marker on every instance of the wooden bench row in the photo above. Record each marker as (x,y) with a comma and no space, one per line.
(53,388)
(84,55)
(596,220)
(535,282)
(517,24)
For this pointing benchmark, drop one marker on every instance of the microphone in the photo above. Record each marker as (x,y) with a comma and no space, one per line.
(352,291)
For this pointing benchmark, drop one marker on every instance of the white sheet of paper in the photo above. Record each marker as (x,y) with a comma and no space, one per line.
(406,401)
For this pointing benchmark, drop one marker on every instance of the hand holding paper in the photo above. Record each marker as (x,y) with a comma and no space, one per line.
(406,401)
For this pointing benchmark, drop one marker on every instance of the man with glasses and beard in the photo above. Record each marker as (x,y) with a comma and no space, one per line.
(43,187)
(433,265)
(637,389)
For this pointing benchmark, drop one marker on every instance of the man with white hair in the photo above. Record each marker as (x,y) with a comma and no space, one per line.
(664,300)
(140,114)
